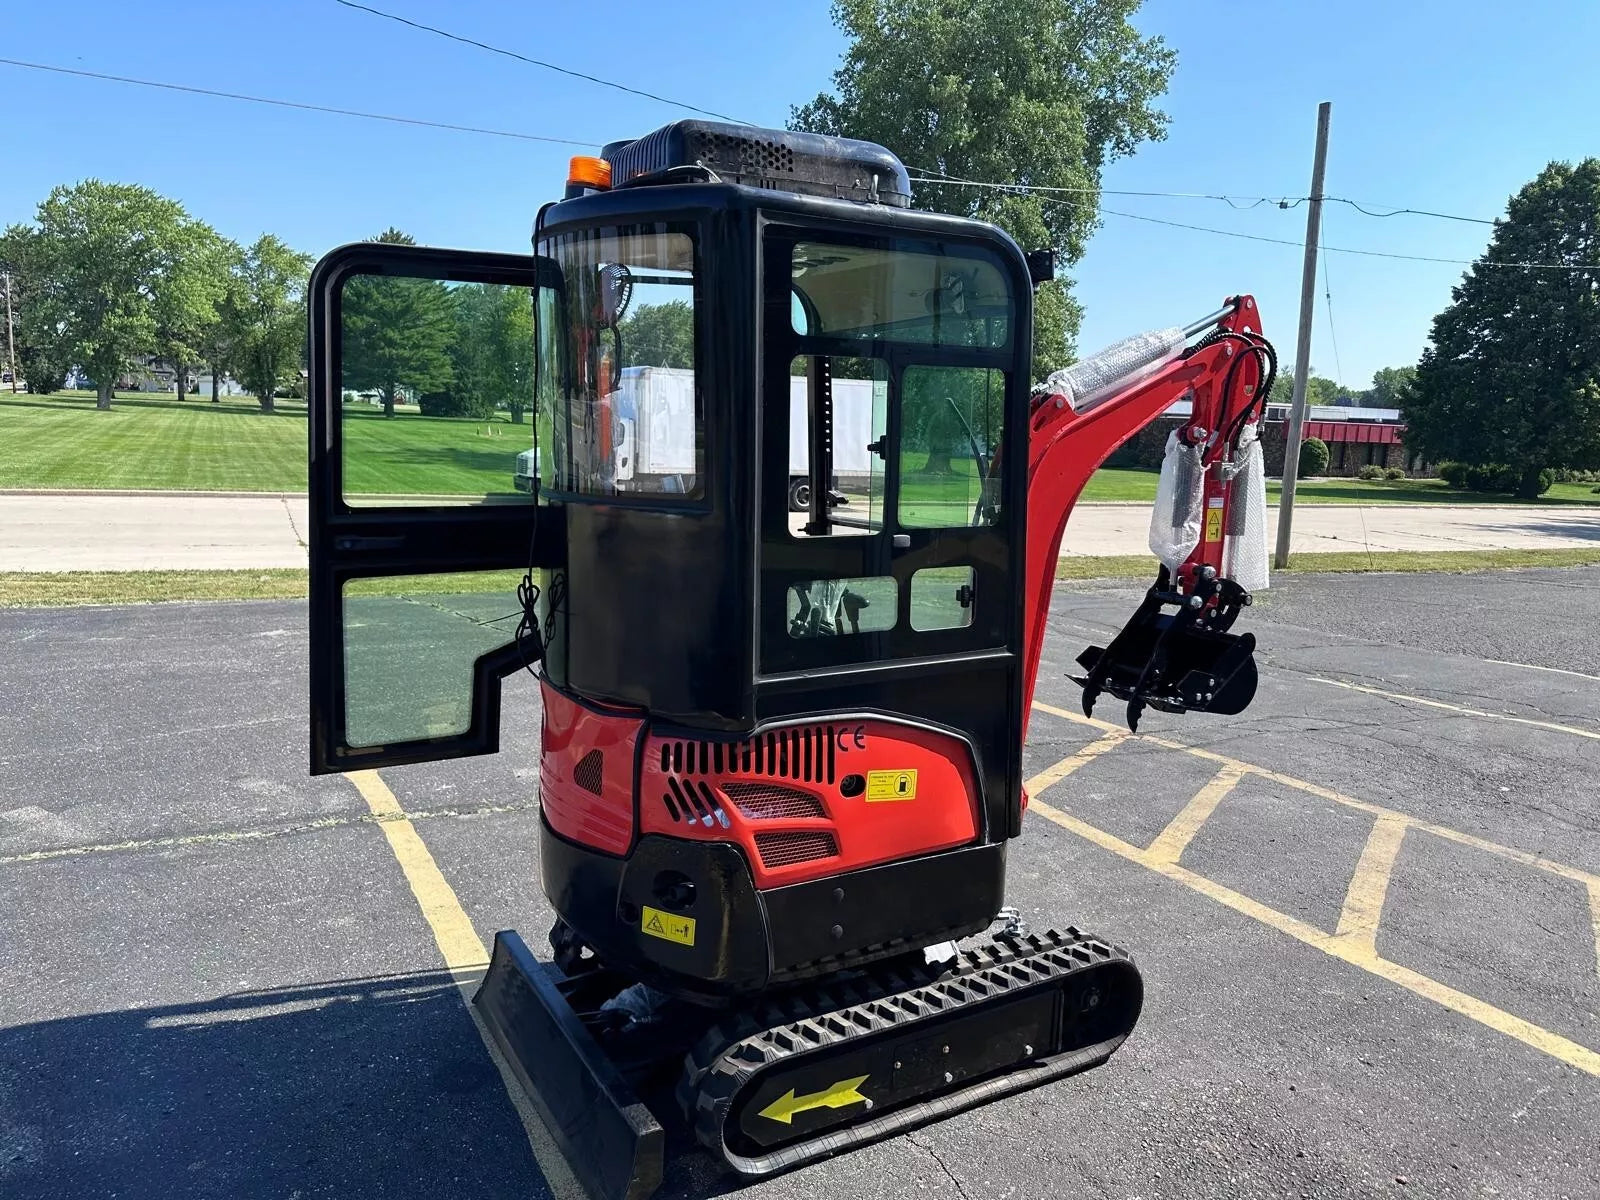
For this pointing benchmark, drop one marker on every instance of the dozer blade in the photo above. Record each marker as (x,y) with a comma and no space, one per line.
(612,1142)
(847,1070)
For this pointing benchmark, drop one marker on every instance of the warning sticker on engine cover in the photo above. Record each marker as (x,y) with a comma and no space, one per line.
(669,927)
(891,785)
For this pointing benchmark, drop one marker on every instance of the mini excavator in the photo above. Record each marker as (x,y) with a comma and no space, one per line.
(781,754)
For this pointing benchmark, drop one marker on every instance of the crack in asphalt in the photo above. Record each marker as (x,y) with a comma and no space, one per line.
(943,1166)
(260,832)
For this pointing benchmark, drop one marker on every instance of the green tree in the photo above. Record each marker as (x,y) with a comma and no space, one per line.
(43,356)
(397,332)
(1037,92)
(659,335)
(1319,388)
(110,262)
(1313,458)
(189,301)
(1513,372)
(266,316)
(1389,384)
(215,338)
(492,355)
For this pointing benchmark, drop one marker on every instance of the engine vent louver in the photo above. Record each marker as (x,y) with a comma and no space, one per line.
(786,849)
(692,801)
(771,801)
(587,774)
(802,753)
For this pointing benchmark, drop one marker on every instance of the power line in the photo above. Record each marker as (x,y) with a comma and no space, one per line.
(536,62)
(321,108)
(1243,203)
(1333,336)
(1256,237)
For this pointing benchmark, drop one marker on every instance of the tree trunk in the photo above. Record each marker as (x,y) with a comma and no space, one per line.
(388,400)
(180,379)
(516,414)
(938,462)
(266,400)
(215,392)
(1529,488)
(102,395)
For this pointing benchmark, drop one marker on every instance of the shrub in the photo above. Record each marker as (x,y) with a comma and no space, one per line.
(1454,474)
(1371,472)
(1313,457)
(1482,478)
(1546,478)
(1394,472)
(1595,490)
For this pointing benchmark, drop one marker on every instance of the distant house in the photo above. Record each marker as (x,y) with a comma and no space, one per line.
(151,373)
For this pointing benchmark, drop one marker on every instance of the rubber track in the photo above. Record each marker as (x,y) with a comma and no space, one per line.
(826,1018)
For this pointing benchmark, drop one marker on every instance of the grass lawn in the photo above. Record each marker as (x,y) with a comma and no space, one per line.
(36,589)
(160,442)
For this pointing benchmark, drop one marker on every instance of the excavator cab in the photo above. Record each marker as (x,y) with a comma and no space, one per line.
(780,743)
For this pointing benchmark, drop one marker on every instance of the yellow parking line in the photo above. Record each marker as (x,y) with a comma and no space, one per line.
(1069,764)
(1470,712)
(1594,913)
(1350,950)
(1363,900)
(1171,841)
(1576,874)
(464,956)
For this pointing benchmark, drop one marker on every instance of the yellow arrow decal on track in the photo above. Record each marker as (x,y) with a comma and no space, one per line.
(839,1095)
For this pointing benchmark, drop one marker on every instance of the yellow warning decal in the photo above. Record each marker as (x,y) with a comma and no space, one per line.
(1213,524)
(891,785)
(669,927)
(840,1095)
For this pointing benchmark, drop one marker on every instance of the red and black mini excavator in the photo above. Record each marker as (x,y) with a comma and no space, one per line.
(787,581)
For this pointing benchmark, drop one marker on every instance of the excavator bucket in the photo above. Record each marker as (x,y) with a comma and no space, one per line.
(1173,663)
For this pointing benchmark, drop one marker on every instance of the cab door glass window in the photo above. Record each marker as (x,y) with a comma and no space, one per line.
(941,598)
(950,432)
(410,645)
(850,398)
(842,607)
(436,391)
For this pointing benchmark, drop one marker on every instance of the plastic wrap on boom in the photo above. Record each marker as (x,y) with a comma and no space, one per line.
(1244,549)
(1175,520)
(1119,365)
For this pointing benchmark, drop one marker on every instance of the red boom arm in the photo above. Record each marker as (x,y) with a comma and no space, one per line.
(1066,447)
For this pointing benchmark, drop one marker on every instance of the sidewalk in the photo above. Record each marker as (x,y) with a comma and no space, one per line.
(178,531)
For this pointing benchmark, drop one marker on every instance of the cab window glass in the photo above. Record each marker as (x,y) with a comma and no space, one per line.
(950,428)
(626,416)
(850,396)
(841,607)
(926,297)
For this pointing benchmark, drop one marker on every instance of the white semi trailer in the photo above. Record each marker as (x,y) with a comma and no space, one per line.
(654,439)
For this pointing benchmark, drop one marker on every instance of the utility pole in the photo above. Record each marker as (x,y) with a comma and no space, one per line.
(1302,357)
(11,349)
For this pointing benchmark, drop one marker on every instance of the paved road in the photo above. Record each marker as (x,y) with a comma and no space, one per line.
(173,532)
(1366,912)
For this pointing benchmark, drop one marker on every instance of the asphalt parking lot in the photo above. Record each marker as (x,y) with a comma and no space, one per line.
(1367,911)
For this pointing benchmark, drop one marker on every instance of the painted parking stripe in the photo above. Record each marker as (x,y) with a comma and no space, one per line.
(464,956)
(1354,941)
(1404,698)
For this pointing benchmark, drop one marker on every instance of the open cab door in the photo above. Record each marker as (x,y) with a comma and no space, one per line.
(425,518)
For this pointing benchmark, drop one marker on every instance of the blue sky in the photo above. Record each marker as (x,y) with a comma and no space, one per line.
(1444,106)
